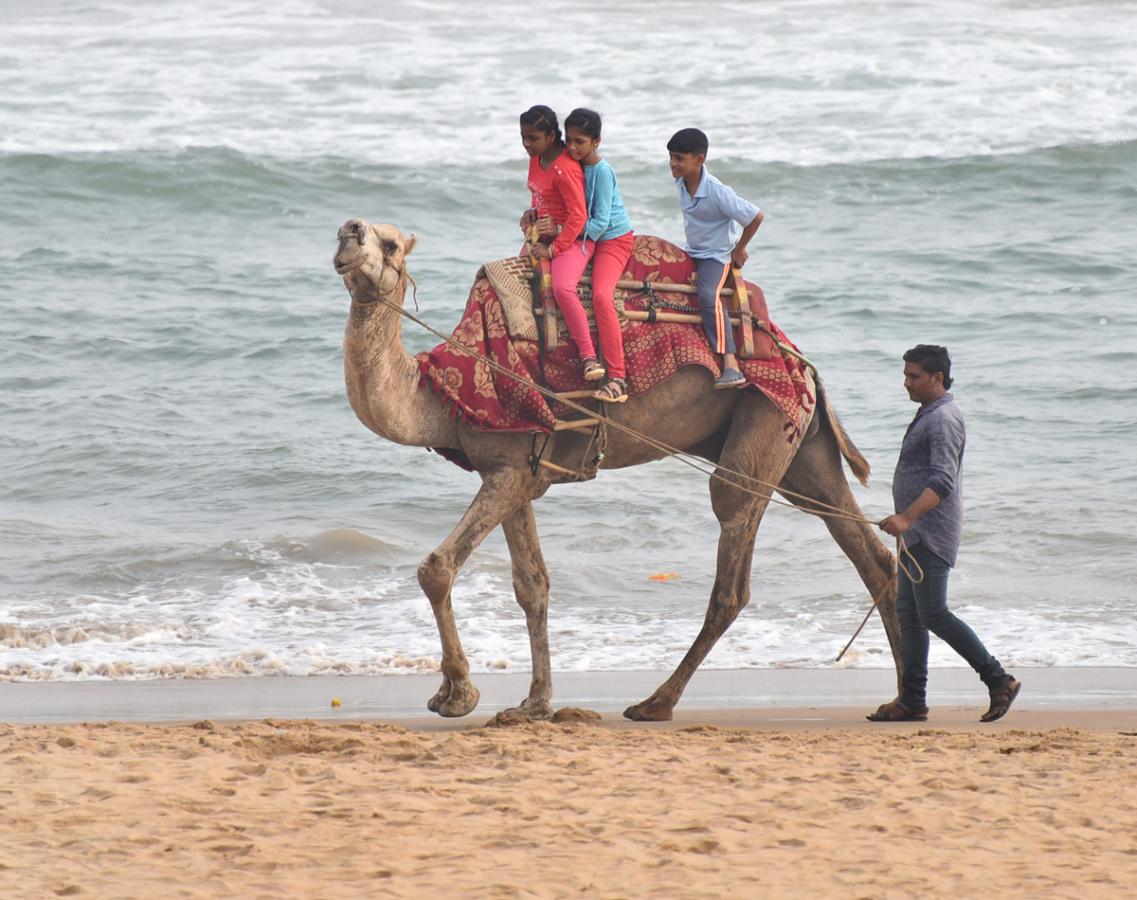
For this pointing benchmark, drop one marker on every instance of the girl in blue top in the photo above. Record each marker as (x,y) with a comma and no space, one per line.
(607,240)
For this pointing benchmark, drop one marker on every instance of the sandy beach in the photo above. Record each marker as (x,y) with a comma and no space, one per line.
(771,800)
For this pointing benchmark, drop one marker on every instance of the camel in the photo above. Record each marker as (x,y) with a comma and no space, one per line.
(738,430)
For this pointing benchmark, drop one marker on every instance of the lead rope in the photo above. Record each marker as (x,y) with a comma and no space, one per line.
(901,551)
(682,456)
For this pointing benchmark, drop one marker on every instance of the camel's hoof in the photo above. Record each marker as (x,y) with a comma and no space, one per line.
(462,700)
(536,710)
(648,711)
(508,718)
(434,704)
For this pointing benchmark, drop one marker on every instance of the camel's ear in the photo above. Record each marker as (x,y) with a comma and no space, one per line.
(410,245)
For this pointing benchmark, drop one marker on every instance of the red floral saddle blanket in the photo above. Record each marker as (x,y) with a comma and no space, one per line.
(653,352)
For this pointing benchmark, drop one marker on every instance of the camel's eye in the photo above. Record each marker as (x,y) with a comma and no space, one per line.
(390,246)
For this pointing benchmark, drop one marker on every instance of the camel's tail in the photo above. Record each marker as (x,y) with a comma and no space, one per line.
(853,457)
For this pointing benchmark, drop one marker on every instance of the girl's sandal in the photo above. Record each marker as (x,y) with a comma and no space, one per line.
(895,711)
(615,391)
(593,371)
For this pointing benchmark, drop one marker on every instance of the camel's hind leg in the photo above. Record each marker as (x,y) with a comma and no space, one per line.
(501,493)
(817,472)
(531,587)
(755,446)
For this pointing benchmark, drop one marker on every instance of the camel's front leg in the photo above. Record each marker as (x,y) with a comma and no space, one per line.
(531,587)
(499,496)
(754,446)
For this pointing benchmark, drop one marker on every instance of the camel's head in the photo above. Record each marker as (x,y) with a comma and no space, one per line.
(376,252)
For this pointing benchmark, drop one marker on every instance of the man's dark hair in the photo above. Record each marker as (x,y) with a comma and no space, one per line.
(586,121)
(931,358)
(688,140)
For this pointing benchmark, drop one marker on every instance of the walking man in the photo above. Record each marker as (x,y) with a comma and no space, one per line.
(927,492)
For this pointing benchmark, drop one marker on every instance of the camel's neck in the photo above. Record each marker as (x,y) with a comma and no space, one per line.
(383,379)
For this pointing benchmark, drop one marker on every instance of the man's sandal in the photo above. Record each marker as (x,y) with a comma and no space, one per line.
(896,711)
(593,371)
(615,391)
(1001,699)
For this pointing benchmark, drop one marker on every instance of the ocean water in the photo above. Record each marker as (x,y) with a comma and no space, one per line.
(184,491)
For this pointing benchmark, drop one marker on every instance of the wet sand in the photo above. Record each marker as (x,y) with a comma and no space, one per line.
(403,697)
(796,798)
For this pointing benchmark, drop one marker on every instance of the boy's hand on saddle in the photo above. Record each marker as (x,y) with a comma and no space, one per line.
(738,257)
(541,251)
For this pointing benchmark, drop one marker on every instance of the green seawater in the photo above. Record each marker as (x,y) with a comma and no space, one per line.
(181,478)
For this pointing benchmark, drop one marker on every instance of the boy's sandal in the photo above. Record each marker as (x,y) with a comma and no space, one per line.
(730,378)
(593,371)
(896,711)
(615,391)
(1001,699)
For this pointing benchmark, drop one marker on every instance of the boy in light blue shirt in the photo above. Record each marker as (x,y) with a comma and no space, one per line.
(712,217)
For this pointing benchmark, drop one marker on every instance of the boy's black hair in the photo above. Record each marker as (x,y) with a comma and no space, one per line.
(543,118)
(931,358)
(585,121)
(688,140)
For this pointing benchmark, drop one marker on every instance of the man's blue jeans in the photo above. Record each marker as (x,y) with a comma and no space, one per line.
(923,608)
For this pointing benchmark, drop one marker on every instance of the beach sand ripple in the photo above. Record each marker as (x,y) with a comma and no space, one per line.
(316,809)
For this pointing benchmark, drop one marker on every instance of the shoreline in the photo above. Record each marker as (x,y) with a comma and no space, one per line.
(767,698)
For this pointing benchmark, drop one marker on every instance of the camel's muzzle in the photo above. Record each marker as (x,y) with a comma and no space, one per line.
(343,267)
(352,231)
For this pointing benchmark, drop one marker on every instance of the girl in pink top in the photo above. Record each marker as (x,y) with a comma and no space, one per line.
(556,182)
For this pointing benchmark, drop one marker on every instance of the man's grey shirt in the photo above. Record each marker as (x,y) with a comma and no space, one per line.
(932,457)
